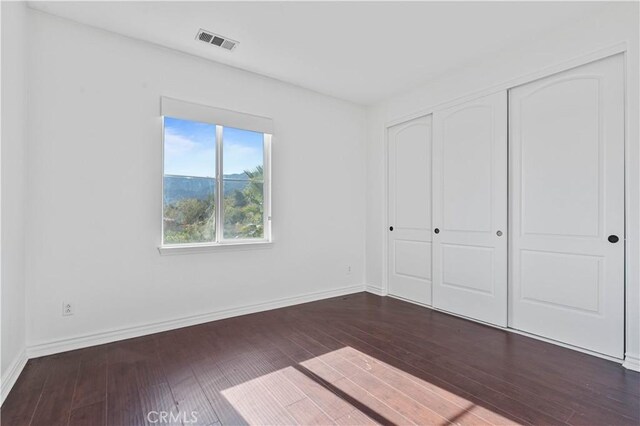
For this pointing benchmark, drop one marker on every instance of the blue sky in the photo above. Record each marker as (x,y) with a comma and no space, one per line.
(189,149)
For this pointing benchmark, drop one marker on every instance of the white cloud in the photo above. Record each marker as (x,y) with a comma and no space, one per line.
(239,157)
(176,144)
(238,150)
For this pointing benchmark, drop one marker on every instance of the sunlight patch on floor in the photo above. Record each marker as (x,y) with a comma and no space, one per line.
(347,386)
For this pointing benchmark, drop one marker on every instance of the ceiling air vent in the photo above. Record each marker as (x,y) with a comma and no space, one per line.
(216,39)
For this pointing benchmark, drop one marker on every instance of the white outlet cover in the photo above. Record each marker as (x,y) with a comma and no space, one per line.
(67,309)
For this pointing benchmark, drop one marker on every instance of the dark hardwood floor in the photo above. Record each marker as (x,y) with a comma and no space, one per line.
(359,359)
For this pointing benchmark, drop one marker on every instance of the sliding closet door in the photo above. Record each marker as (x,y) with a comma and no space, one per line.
(470,209)
(410,210)
(567,207)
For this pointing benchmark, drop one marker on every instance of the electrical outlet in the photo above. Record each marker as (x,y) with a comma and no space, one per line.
(67,309)
(348,269)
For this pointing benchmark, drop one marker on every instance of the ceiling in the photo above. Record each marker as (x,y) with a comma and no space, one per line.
(362,52)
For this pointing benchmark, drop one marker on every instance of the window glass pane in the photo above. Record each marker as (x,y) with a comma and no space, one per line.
(243,184)
(189,181)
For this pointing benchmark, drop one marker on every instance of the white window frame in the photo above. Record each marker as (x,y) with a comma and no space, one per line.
(220,118)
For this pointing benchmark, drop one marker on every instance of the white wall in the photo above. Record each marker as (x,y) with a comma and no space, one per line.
(93,166)
(618,24)
(94,194)
(12,259)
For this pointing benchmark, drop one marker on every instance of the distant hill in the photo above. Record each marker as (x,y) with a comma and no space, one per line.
(180,187)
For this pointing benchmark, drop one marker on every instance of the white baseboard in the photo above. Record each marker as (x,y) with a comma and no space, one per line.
(631,362)
(62,345)
(12,374)
(375,290)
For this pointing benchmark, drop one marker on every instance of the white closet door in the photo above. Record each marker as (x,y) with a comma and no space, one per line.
(470,209)
(410,210)
(567,204)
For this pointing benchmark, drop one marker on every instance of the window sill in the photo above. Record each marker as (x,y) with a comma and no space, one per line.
(206,248)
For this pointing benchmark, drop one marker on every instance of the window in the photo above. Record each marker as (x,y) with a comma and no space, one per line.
(216,188)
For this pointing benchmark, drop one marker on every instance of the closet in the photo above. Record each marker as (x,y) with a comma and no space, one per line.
(509,208)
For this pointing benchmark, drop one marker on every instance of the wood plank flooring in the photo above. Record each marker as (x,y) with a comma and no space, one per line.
(359,359)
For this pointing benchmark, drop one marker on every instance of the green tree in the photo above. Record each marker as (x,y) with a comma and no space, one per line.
(189,220)
(244,209)
(192,220)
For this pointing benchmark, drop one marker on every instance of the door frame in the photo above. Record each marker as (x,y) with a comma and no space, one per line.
(632,170)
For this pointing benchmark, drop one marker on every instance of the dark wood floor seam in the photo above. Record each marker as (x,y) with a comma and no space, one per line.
(36,406)
(358,360)
(633,404)
(400,392)
(337,332)
(75,384)
(461,408)
(521,400)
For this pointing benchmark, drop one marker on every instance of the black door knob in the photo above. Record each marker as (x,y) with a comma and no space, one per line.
(391,228)
(613,238)
(437,231)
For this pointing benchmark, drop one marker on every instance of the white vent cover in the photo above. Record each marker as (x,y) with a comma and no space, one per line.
(216,39)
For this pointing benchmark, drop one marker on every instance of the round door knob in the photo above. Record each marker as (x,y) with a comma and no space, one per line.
(613,239)
(437,231)
(499,233)
(391,228)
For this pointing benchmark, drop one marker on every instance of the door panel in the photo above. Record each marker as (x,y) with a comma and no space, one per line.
(468,267)
(566,281)
(567,197)
(466,150)
(469,208)
(569,110)
(410,210)
(410,259)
